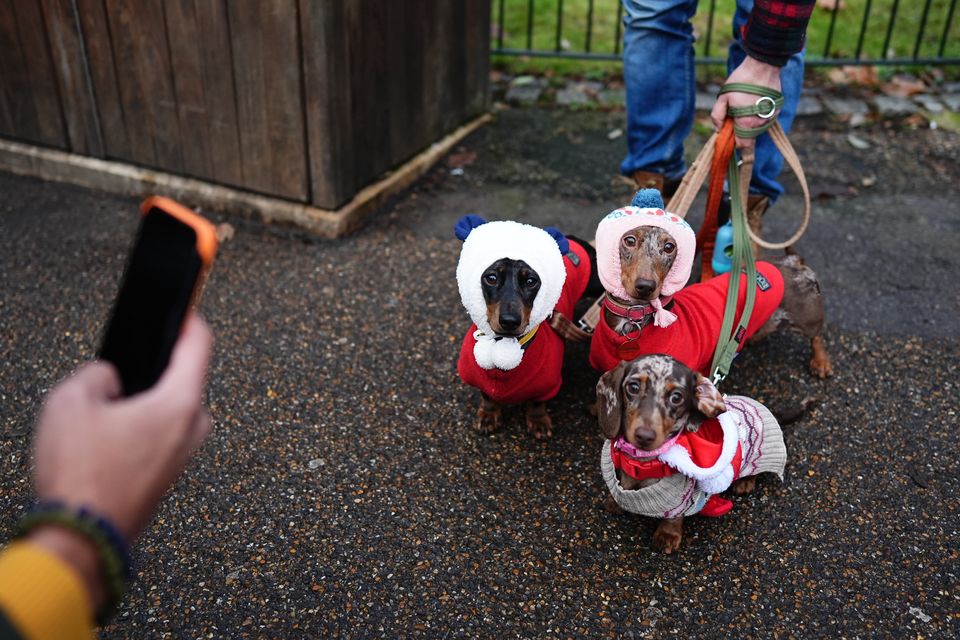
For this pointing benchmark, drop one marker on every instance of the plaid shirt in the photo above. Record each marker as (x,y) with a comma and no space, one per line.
(776,29)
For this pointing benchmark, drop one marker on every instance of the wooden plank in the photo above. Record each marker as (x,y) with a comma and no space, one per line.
(33,99)
(96,40)
(145,82)
(328,101)
(220,99)
(477,46)
(266,63)
(369,71)
(405,55)
(69,58)
(10,64)
(456,65)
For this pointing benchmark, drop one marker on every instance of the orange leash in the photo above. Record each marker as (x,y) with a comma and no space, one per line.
(706,238)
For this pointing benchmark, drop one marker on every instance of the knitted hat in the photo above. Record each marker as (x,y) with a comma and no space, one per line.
(646,209)
(483,245)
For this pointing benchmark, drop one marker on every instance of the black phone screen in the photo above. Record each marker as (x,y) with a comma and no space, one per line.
(154,297)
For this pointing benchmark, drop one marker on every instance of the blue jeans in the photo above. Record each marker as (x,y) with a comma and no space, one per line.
(660,82)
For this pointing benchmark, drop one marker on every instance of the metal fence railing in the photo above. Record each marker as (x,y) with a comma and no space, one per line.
(852,32)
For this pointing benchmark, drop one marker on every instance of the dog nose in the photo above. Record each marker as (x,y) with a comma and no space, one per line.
(509,321)
(645,288)
(645,437)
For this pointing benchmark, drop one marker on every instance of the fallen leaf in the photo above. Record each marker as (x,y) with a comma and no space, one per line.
(225,232)
(461,159)
(903,86)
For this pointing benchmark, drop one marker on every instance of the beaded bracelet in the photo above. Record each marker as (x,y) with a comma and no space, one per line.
(109,544)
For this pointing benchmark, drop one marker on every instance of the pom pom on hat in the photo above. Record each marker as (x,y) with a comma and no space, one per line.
(647,199)
(562,243)
(466,224)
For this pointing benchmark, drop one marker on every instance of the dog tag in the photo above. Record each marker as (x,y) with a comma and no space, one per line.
(629,350)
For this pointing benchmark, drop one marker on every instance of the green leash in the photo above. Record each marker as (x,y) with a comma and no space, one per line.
(742,259)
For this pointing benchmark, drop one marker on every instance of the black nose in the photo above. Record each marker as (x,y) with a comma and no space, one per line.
(645,437)
(645,288)
(509,321)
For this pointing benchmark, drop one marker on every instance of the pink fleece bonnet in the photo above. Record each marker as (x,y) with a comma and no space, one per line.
(646,209)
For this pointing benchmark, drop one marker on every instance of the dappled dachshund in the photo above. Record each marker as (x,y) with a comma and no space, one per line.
(673,443)
(512,277)
(644,259)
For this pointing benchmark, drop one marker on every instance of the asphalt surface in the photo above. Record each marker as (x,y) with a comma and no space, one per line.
(343,493)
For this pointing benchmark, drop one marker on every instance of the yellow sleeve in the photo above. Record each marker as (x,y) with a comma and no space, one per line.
(41,595)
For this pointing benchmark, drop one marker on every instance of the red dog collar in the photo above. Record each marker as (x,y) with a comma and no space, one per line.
(639,469)
(636,312)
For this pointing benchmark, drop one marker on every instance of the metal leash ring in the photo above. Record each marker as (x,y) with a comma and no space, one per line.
(773,107)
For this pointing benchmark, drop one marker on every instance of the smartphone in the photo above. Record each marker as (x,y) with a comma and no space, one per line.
(171,256)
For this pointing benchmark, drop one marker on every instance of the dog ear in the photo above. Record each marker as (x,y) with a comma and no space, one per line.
(709,403)
(466,224)
(562,243)
(609,401)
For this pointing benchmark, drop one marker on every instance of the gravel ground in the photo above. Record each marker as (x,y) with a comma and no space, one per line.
(343,494)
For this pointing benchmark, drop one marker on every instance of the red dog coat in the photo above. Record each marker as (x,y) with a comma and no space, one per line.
(537,377)
(692,339)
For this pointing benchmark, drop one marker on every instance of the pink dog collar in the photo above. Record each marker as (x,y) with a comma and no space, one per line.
(639,454)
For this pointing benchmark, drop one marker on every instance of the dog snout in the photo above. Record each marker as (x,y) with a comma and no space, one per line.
(645,437)
(644,287)
(509,320)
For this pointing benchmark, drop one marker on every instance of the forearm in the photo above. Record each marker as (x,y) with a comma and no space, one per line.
(776,29)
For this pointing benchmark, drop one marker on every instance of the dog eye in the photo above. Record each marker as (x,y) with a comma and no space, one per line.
(530,282)
(630,241)
(633,387)
(669,247)
(676,398)
(490,278)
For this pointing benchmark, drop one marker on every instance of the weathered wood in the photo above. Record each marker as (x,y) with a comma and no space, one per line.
(96,38)
(31,95)
(329,115)
(69,58)
(266,64)
(477,65)
(369,75)
(146,84)
(220,99)
(128,179)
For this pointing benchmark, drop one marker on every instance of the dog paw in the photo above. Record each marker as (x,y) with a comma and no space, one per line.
(667,537)
(821,367)
(487,421)
(744,486)
(540,426)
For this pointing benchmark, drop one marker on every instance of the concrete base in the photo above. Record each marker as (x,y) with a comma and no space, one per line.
(127,179)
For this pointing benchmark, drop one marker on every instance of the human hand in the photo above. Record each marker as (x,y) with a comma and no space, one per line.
(118,456)
(750,71)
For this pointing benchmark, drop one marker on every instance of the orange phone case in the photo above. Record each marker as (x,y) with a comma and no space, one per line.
(206,233)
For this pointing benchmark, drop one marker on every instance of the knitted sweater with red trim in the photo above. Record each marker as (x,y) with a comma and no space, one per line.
(537,377)
(693,337)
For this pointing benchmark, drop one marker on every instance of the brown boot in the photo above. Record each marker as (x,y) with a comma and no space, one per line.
(651,180)
(756,207)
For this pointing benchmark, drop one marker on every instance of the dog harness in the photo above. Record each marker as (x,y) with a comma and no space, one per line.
(537,376)
(695,466)
(692,339)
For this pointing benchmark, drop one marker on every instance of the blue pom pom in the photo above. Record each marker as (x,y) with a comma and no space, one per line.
(562,243)
(466,224)
(648,199)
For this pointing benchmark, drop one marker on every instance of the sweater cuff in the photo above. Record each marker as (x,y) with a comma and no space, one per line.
(41,595)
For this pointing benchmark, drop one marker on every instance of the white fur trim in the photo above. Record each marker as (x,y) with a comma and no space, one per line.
(507,239)
(717,478)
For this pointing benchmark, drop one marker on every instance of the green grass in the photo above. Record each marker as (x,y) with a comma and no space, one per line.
(603,37)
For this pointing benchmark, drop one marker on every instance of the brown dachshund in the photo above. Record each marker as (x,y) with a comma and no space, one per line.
(655,400)
(647,254)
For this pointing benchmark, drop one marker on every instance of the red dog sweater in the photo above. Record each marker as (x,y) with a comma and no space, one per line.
(693,338)
(537,377)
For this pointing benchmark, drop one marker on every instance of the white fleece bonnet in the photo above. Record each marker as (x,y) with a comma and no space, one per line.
(488,243)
